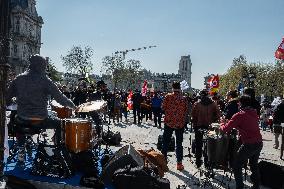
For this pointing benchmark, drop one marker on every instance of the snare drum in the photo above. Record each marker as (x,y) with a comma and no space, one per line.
(78,134)
(62,112)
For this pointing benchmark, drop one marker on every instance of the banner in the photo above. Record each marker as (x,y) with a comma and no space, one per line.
(144,88)
(184,85)
(279,54)
(129,101)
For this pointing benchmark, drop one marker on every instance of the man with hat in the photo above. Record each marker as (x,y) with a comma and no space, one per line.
(204,112)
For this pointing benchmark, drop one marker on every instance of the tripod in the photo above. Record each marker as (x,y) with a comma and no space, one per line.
(203,176)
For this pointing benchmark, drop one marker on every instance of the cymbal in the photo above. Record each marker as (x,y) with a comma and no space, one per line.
(54,103)
(92,106)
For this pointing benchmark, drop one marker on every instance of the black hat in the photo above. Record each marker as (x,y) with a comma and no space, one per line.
(204,92)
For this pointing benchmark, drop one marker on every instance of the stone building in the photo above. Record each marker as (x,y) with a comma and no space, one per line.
(185,69)
(25,33)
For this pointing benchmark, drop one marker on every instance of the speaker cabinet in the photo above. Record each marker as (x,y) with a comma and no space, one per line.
(126,155)
(271,175)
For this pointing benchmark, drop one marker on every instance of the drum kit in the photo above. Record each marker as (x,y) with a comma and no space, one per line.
(78,133)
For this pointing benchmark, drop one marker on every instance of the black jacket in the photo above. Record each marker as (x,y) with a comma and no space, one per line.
(278,117)
(231,108)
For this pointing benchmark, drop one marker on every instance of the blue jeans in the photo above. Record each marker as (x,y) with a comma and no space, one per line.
(246,152)
(263,125)
(157,115)
(168,131)
(136,112)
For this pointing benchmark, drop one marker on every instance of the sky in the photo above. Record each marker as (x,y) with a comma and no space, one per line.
(212,32)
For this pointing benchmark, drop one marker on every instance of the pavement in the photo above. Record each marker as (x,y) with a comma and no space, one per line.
(145,136)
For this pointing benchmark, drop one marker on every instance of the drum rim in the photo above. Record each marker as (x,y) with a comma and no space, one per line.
(76,120)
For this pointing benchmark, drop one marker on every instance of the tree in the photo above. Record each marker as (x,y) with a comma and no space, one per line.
(233,77)
(124,74)
(269,78)
(114,66)
(52,72)
(133,73)
(78,60)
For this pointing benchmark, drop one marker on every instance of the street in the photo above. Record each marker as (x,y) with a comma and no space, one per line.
(145,136)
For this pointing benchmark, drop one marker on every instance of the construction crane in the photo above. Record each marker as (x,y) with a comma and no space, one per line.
(124,52)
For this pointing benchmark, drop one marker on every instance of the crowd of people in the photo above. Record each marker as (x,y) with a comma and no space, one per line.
(179,112)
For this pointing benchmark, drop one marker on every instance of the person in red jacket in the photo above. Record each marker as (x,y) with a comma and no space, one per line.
(175,108)
(246,122)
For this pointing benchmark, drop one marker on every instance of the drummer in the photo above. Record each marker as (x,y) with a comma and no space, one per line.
(246,122)
(204,112)
(32,89)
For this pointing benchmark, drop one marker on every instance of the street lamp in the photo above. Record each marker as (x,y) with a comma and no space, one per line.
(252,78)
(271,86)
(4,53)
(249,78)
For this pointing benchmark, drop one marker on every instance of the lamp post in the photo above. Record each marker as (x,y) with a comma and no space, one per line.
(249,78)
(4,52)
(271,86)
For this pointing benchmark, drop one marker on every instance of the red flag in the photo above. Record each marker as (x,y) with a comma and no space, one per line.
(213,84)
(144,88)
(129,101)
(279,53)
(213,81)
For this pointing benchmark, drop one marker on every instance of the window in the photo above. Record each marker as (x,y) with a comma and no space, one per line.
(18,26)
(15,49)
(30,30)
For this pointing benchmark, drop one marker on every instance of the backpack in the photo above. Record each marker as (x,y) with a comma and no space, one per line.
(138,178)
(91,181)
(85,162)
(14,182)
(155,159)
(172,144)
(112,138)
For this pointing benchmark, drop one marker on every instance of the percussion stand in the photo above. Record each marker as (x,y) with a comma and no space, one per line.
(211,172)
(203,182)
(107,149)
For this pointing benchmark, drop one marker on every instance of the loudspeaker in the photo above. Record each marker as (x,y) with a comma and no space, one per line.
(126,155)
(271,175)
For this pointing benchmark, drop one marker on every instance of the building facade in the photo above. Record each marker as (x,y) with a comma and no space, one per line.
(163,81)
(25,33)
(185,69)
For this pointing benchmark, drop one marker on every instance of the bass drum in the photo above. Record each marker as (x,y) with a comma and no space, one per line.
(78,134)
(217,150)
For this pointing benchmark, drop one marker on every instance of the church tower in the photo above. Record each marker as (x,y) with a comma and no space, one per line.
(185,69)
(25,33)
